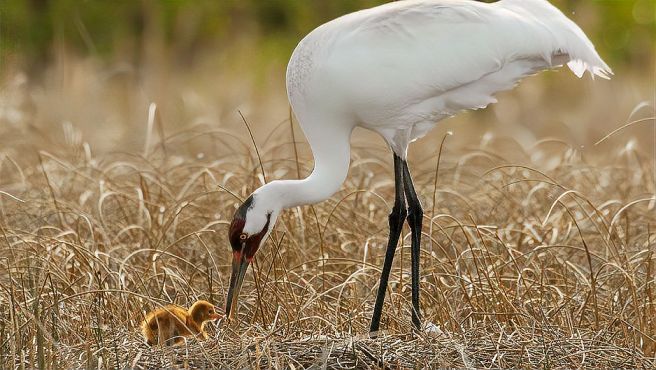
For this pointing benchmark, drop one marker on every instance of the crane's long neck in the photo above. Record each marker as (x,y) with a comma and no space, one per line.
(330,145)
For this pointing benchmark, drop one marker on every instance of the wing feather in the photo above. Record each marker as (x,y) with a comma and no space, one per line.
(417,61)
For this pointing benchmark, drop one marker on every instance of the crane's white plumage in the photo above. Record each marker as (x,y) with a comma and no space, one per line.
(399,68)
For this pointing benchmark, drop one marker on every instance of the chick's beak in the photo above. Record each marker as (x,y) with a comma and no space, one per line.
(239,266)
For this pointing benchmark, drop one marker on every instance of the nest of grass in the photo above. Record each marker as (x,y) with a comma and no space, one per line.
(530,257)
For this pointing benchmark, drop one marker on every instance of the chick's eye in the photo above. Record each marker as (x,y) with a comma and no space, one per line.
(243,237)
(211,311)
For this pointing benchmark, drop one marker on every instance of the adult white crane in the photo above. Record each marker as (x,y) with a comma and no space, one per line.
(398,69)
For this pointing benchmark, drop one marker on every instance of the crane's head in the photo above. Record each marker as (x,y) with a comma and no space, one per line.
(250,227)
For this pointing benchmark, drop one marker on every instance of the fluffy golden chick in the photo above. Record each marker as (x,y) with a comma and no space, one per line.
(169,324)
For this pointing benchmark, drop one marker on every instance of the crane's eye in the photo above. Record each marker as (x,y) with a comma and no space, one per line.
(210,312)
(243,237)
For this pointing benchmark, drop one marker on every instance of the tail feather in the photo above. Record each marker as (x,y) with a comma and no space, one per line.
(567,38)
(579,66)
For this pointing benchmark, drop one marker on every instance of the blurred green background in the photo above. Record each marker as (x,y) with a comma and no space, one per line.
(31,31)
(97,66)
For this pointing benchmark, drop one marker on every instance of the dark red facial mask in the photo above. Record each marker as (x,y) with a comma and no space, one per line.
(243,251)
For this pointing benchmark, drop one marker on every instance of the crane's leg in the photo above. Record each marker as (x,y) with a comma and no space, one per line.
(396,219)
(415,217)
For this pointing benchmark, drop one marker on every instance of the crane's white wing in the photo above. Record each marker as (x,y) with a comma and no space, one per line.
(405,65)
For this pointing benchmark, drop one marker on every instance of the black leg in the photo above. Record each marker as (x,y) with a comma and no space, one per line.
(396,219)
(415,217)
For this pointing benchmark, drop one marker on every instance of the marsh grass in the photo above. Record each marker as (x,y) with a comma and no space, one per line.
(533,255)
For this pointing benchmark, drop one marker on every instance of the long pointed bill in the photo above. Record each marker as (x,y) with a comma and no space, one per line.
(239,267)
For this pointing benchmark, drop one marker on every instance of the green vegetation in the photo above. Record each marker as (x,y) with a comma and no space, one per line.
(622,29)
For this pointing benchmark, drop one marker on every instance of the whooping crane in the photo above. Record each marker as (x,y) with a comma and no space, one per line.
(398,69)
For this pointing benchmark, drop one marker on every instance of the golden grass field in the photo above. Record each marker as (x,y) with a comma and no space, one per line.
(538,247)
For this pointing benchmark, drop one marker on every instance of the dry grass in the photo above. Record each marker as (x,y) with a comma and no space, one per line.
(533,255)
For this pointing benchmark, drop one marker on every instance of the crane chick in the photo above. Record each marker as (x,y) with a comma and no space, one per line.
(169,324)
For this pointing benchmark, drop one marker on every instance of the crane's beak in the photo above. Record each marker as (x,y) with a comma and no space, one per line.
(239,267)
